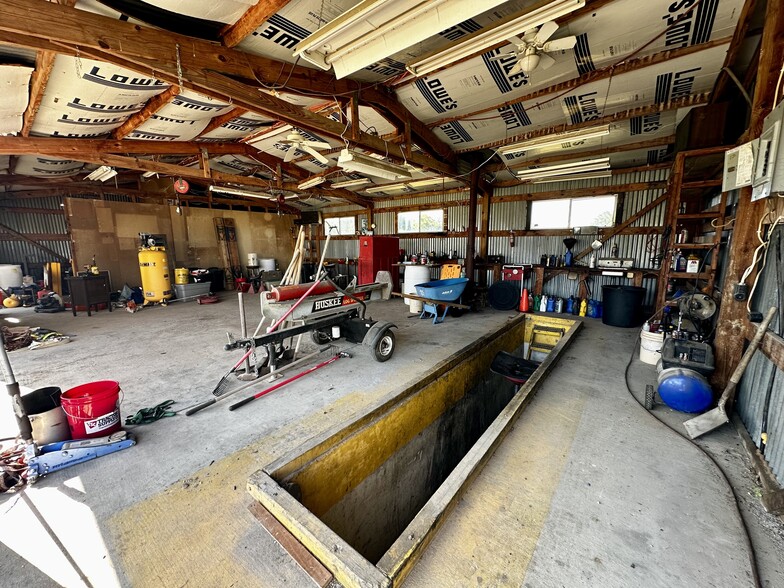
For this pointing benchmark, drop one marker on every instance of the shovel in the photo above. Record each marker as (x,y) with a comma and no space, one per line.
(715,418)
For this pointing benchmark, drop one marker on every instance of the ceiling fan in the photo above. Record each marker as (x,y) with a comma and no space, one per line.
(532,49)
(300,143)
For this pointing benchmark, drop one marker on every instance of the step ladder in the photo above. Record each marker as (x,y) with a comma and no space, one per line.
(544,333)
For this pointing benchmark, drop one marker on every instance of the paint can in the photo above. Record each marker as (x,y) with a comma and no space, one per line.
(181,275)
(650,347)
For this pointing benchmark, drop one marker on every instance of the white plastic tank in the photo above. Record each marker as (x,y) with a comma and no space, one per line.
(413,275)
(253,260)
(10,276)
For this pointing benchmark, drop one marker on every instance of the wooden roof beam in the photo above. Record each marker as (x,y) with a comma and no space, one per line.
(71,147)
(153,105)
(741,30)
(204,67)
(218,121)
(233,34)
(44,61)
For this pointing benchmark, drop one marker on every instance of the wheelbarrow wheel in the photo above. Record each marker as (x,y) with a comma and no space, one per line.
(385,346)
(320,337)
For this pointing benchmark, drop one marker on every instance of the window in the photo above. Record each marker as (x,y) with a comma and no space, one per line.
(341,225)
(573,212)
(421,221)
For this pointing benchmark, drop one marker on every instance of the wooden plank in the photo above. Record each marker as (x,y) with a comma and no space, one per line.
(70,147)
(44,62)
(306,560)
(152,106)
(233,34)
(701,184)
(738,39)
(218,121)
(772,345)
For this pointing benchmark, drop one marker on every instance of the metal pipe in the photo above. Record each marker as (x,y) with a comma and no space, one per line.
(243,326)
(12,387)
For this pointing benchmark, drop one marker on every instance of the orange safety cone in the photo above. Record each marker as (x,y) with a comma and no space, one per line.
(524,301)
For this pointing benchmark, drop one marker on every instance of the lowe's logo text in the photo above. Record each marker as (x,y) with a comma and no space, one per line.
(582,108)
(688,25)
(436,95)
(456,133)
(282,31)
(671,86)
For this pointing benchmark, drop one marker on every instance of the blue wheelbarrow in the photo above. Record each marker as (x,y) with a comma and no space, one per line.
(440,292)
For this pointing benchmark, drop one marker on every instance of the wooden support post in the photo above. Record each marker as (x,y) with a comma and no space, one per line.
(471,237)
(484,231)
(732,319)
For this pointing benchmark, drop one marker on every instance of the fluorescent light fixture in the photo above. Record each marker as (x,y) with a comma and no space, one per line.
(311,182)
(562,169)
(375,29)
(149,174)
(101,174)
(364,164)
(476,43)
(574,178)
(555,140)
(386,188)
(429,182)
(235,192)
(351,183)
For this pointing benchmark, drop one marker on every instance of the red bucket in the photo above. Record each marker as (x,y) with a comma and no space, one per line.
(93,409)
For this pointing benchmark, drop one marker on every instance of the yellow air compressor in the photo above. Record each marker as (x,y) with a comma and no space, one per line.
(154,267)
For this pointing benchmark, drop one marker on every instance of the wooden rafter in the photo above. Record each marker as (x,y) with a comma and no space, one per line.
(741,30)
(205,67)
(152,106)
(232,35)
(44,61)
(694,100)
(218,121)
(72,147)
(593,76)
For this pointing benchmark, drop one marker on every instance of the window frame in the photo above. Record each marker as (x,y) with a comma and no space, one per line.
(330,220)
(419,211)
(569,221)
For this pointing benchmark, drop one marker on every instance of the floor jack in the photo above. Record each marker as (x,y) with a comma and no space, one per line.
(50,458)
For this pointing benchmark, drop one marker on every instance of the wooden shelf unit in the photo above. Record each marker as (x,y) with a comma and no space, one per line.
(693,195)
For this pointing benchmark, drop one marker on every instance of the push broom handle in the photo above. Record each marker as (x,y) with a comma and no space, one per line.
(746,359)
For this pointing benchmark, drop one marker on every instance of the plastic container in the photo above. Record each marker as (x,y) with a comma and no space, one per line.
(685,390)
(650,347)
(10,276)
(622,306)
(93,409)
(414,274)
(46,415)
(267,264)
(253,260)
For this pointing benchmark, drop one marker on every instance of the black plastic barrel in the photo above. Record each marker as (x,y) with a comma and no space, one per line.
(622,306)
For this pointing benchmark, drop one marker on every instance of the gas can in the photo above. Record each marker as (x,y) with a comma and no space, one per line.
(583,307)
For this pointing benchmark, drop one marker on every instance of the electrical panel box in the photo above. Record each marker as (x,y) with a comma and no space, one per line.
(769,167)
(739,166)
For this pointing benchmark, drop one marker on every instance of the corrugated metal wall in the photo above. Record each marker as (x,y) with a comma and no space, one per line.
(529,249)
(762,386)
(19,252)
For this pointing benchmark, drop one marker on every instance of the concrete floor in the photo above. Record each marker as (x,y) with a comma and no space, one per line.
(587,490)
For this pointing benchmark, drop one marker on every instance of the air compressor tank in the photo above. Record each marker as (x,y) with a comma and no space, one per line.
(154,267)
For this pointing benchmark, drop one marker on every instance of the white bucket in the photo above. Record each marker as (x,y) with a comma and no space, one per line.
(414,274)
(253,260)
(10,276)
(267,265)
(650,347)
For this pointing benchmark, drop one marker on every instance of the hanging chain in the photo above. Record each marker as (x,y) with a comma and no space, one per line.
(179,66)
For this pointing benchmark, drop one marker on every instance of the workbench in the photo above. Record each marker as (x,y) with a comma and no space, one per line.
(545,273)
